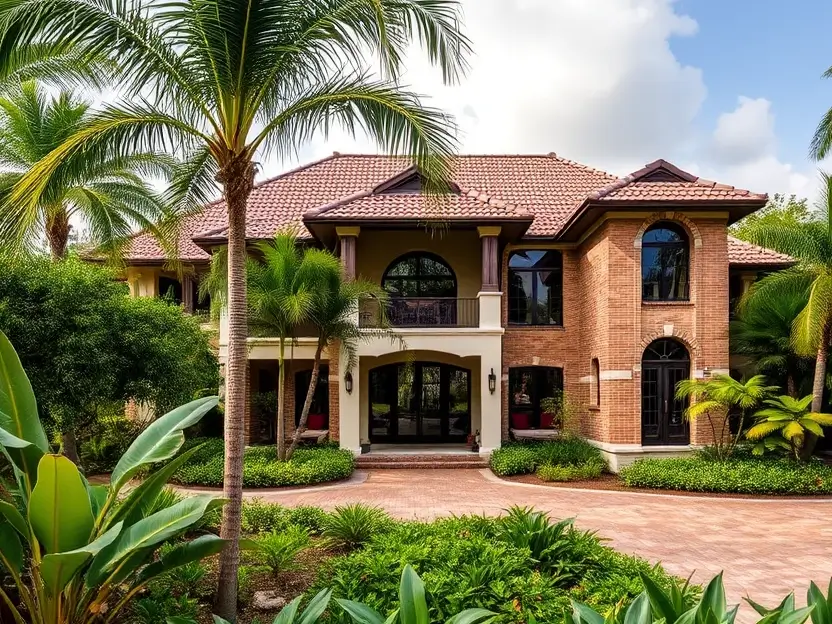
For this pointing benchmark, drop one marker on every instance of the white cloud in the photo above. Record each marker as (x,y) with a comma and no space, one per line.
(595,81)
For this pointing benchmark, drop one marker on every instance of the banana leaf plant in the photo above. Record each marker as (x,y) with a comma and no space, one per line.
(77,552)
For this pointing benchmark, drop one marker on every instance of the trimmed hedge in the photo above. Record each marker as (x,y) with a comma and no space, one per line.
(526,457)
(308,465)
(588,470)
(738,475)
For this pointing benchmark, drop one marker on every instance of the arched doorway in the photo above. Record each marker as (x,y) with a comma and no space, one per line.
(420,402)
(664,364)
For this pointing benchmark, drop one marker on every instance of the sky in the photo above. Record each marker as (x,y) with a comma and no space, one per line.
(730,90)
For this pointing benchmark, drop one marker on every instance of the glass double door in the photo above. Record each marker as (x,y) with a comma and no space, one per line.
(420,402)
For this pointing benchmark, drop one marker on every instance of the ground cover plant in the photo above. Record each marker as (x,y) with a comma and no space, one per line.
(519,458)
(314,464)
(742,474)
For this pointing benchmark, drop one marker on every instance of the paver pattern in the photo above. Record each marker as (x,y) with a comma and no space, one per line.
(766,547)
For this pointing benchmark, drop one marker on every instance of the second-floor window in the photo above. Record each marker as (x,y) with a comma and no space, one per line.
(535,287)
(665,263)
(419,274)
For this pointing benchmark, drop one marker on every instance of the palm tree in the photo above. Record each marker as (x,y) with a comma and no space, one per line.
(810,243)
(762,331)
(282,291)
(714,398)
(228,80)
(785,424)
(108,193)
(334,315)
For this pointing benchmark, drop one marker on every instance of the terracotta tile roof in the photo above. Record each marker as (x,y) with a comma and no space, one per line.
(743,253)
(547,187)
(662,181)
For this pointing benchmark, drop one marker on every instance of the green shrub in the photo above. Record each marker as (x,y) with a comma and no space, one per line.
(740,475)
(353,525)
(310,465)
(312,519)
(471,561)
(588,470)
(157,609)
(526,457)
(278,550)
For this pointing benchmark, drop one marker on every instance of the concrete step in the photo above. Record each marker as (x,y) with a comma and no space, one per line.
(408,464)
(421,457)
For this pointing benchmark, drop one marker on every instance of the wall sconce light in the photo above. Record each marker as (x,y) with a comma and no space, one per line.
(492,381)
(348,382)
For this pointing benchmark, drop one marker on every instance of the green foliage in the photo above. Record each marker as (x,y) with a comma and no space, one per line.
(78,535)
(261,469)
(714,398)
(278,550)
(739,474)
(779,211)
(353,525)
(783,425)
(526,457)
(582,472)
(87,346)
(471,561)
(157,609)
(245,582)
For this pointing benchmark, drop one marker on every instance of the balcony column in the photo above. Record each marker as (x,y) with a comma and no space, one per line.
(188,294)
(349,403)
(349,239)
(490,261)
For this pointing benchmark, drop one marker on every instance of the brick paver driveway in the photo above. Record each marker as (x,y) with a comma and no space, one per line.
(765,547)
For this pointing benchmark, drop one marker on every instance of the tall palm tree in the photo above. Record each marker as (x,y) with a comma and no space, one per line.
(108,192)
(334,315)
(228,80)
(810,243)
(762,331)
(282,291)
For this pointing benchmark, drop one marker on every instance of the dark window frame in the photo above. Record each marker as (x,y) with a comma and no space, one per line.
(666,282)
(534,271)
(420,277)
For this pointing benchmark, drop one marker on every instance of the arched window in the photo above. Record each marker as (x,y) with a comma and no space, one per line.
(535,287)
(665,263)
(419,274)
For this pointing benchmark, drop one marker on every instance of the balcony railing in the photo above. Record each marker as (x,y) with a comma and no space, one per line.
(423,312)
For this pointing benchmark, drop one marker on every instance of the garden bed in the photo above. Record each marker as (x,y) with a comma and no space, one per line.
(568,459)
(309,465)
(500,564)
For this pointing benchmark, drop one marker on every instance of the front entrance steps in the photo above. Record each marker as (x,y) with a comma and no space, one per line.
(419,456)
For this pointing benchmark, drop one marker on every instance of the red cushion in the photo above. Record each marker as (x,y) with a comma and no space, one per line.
(520,420)
(315,421)
(547,420)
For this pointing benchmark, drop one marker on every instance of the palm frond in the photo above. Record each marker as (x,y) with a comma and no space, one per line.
(763,429)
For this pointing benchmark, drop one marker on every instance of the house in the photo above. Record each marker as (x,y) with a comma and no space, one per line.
(543,276)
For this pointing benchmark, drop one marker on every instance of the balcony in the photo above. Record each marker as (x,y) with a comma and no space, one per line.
(423,312)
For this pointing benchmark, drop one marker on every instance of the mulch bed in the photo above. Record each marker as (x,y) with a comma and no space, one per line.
(611,482)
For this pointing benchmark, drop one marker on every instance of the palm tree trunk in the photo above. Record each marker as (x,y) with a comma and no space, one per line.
(281,404)
(307,404)
(817,390)
(69,447)
(57,233)
(237,178)
(791,386)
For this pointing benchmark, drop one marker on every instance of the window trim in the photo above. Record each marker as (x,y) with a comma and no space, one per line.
(684,245)
(595,383)
(533,271)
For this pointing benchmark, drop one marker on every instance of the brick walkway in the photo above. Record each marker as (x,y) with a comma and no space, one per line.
(766,547)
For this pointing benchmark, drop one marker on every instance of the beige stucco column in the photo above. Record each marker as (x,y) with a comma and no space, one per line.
(748,280)
(349,240)
(188,293)
(349,403)
(490,261)
(490,403)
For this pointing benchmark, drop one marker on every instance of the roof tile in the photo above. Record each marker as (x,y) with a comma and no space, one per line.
(744,253)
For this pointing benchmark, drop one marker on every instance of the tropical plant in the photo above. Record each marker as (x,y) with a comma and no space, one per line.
(714,398)
(104,190)
(227,82)
(762,330)
(84,545)
(784,425)
(413,607)
(334,315)
(353,525)
(279,549)
(677,605)
(810,243)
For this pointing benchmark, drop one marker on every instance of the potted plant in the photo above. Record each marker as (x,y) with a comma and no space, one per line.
(365,446)
(474,442)
(549,410)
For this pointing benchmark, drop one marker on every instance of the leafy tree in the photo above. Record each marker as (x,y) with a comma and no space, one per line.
(714,398)
(106,191)
(226,82)
(785,424)
(762,331)
(810,243)
(780,210)
(86,344)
